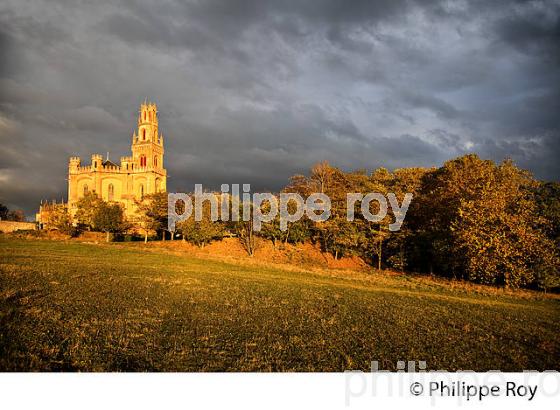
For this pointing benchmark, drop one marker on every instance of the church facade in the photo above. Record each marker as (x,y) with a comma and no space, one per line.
(139,174)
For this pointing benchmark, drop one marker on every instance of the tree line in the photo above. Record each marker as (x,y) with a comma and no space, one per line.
(470,219)
(15,215)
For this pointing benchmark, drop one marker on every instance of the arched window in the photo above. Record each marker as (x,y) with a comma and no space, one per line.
(142,160)
(155,161)
(110,192)
(144,134)
(86,189)
(141,191)
(144,115)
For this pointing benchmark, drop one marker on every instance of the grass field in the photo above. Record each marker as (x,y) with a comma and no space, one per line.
(76,306)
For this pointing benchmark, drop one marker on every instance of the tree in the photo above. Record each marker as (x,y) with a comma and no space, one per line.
(11,215)
(399,245)
(296,232)
(436,208)
(396,250)
(245,230)
(152,213)
(299,184)
(479,221)
(547,197)
(321,176)
(501,233)
(374,234)
(340,237)
(271,230)
(247,236)
(3,212)
(61,220)
(372,240)
(201,232)
(470,219)
(109,218)
(86,209)
(330,234)
(16,215)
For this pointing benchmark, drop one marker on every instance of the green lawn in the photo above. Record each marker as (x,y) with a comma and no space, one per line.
(76,306)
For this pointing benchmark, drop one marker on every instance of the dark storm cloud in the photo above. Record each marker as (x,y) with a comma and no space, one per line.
(533,31)
(253,91)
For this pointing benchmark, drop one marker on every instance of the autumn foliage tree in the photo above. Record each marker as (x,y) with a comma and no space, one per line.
(86,209)
(470,219)
(501,234)
(109,218)
(295,232)
(201,232)
(61,220)
(152,214)
(480,222)
(95,214)
(547,197)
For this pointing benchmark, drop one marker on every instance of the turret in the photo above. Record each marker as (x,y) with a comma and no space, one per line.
(73,165)
(96,162)
(126,163)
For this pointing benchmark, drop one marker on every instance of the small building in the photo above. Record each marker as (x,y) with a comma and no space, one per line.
(46,211)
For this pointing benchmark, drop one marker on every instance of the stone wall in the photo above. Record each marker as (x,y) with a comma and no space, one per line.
(11,226)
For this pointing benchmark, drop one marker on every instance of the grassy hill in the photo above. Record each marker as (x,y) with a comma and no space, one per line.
(76,306)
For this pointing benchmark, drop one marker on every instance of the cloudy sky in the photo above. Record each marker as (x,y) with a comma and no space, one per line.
(253,91)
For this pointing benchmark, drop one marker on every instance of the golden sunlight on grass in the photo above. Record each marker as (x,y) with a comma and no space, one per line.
(75,306)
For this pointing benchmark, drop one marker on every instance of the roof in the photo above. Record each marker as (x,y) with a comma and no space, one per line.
(109,163)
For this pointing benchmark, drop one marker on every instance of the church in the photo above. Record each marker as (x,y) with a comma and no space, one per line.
(137,175)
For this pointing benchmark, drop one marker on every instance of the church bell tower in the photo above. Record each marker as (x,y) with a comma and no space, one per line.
(147,143)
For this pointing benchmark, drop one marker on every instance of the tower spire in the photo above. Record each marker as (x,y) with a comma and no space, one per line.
(147,124)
